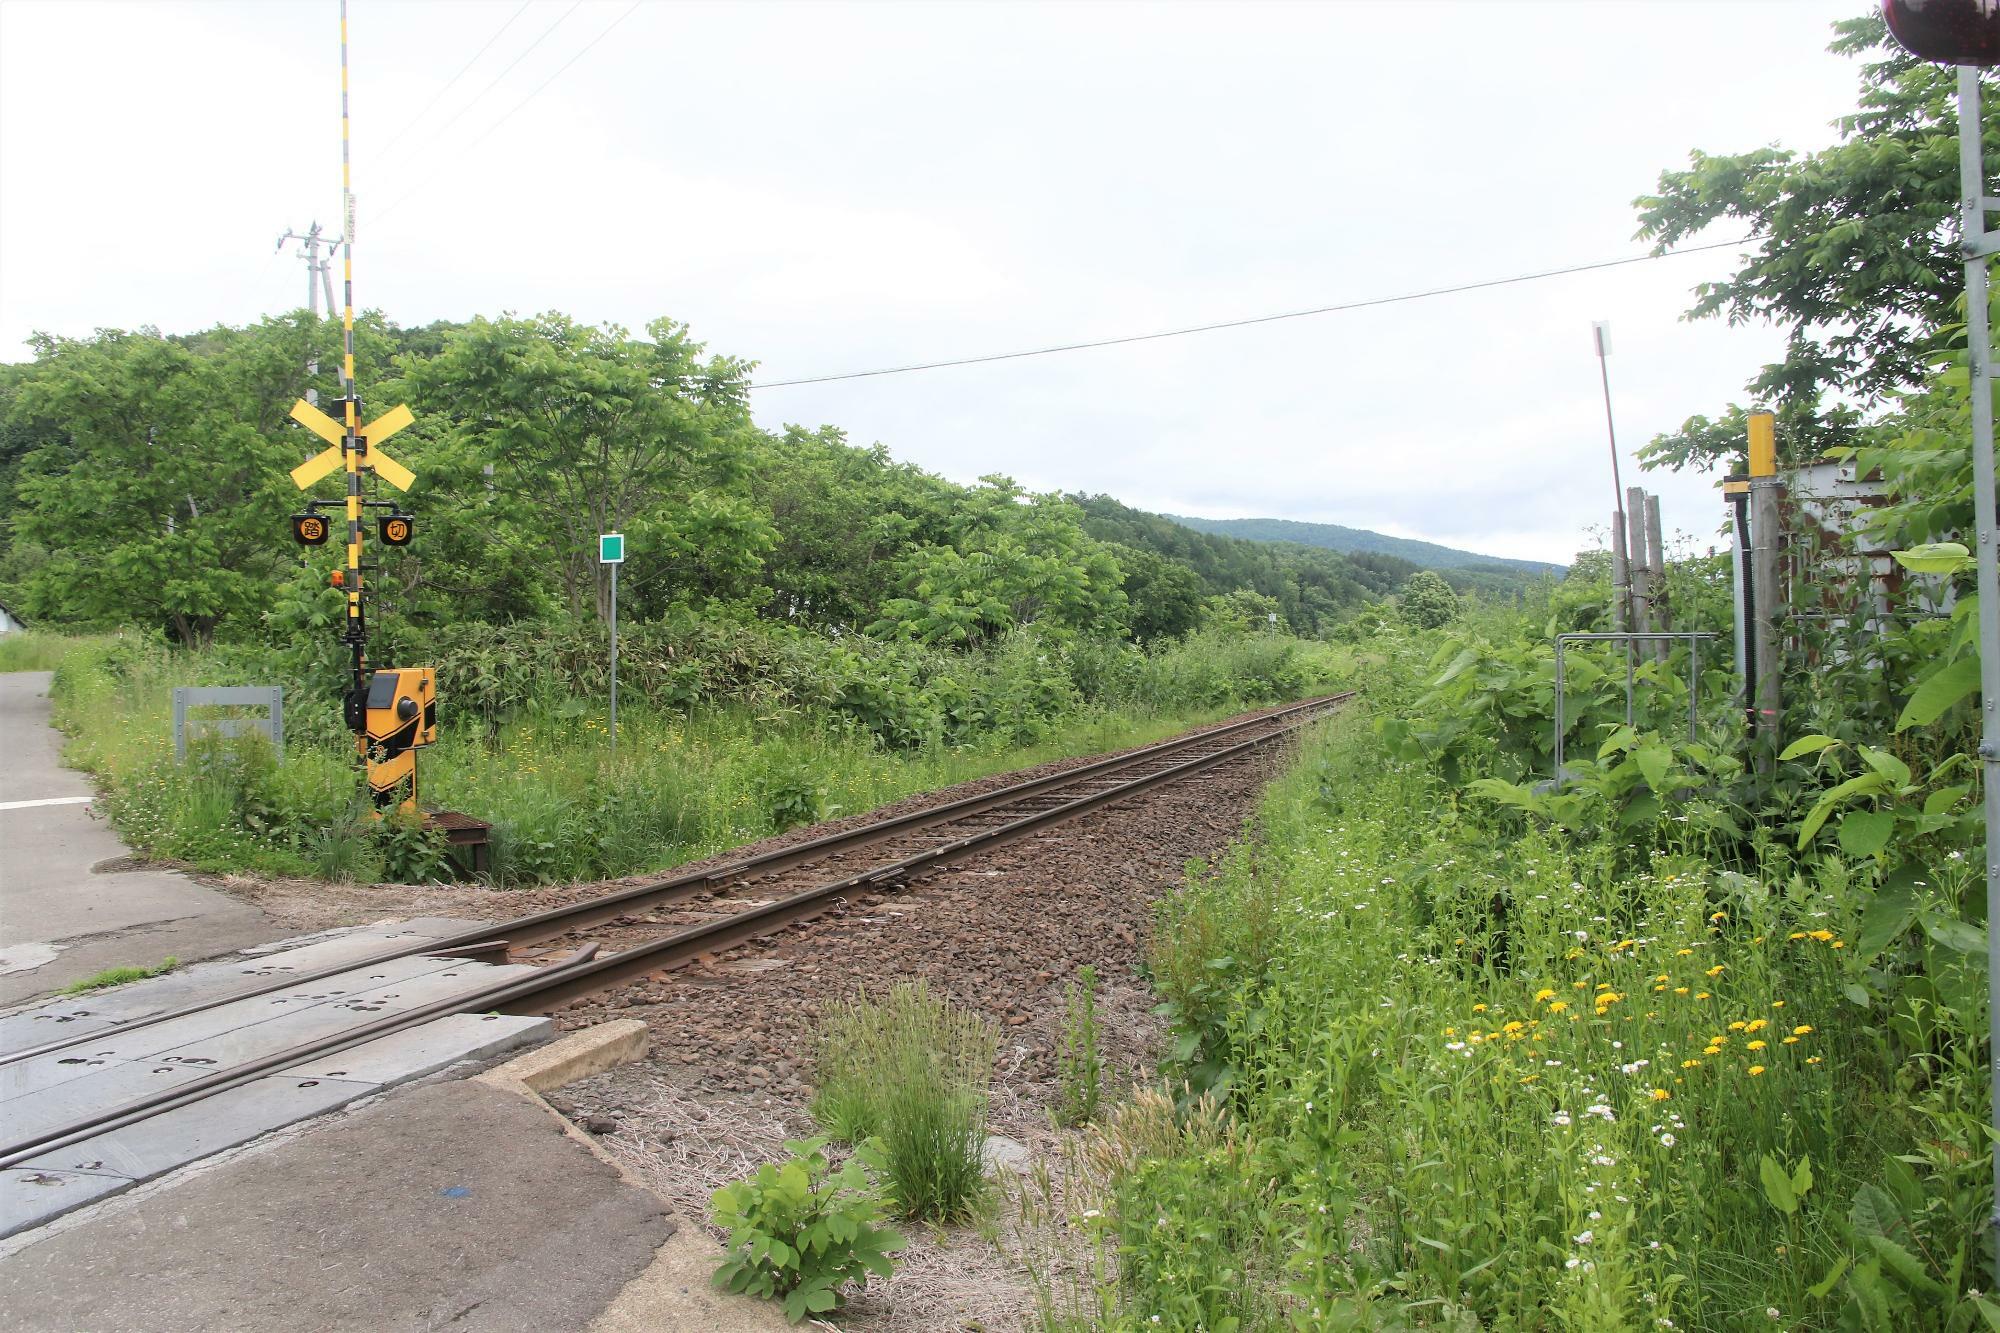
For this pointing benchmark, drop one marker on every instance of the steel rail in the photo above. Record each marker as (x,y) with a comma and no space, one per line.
(561,984)
(595,911)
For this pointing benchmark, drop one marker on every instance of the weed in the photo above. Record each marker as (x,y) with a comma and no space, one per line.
(118,976)
(911,1070)
(1079,1068)
(802,1230)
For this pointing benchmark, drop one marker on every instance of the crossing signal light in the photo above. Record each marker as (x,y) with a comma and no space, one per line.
(309,529)
(396,529)
(1951,32)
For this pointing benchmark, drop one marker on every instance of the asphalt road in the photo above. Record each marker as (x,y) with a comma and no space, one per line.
(60,919)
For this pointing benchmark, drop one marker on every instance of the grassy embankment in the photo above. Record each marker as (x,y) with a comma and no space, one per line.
(1466,1073)
(686,782)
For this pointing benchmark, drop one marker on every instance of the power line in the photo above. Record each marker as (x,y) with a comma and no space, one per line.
(508,114)
(453,82)
(528,50)
(1255,319)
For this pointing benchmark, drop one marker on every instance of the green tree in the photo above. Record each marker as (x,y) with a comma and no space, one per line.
(1014,560)
(589,430)
(154,489)
(1427,601)
(1854,252)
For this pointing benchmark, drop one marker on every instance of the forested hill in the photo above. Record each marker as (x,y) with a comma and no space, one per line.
(1308,580)
(1360,541)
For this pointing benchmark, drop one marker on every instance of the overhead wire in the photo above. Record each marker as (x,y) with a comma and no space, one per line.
(418,188)
(1423,295)
(495,81)
(453,81)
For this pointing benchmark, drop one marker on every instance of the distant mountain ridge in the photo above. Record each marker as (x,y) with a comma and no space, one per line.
(1333,537)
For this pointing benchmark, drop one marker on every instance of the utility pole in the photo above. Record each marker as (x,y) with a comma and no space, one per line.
(1966,33)
(1625,551)
(319,277)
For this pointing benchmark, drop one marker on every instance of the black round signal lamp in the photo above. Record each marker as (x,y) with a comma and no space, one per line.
(1951,32)
(309,529)
(396,529)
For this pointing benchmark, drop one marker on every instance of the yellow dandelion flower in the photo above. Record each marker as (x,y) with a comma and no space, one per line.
(1716,971)
(1682,953)
(1838,944)
(1821,935)
(1802,1029)
(1514,1026)
(1689,1063)
(1755,1046)
(1579,985)
(1478,1008)
(1545,993)
(1777,1004)
(1531,1078)
(1791,1041)
(1718,916)
(1451,1032)
(1757,1025)
(1661,977)
(1701,995)
(1557,1006)
(1680,990)
(1660,1094)
(1737,1026)
(1756,1070)
(1796,935)
(1812,1059)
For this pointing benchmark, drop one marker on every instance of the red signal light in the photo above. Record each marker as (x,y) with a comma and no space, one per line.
(339,578)
(1951,32)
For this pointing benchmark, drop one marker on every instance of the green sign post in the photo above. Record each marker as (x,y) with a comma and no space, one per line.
(611,551)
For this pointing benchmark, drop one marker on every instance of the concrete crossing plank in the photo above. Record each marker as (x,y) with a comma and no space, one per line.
(30,1198)
(259,1010)
(438,1044)
(113,1083)
(221,1050)
(188,1133)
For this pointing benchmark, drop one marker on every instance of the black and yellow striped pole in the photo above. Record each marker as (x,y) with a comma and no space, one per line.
(356,449)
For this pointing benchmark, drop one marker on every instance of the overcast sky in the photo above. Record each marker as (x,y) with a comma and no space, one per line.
(826,188)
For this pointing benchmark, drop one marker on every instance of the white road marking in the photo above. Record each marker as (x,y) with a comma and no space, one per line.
(50,800)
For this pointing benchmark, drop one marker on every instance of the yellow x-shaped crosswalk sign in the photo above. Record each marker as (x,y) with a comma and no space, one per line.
(328,460)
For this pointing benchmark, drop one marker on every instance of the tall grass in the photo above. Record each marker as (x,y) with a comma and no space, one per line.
(911,1070)
(684,784)
(38,650)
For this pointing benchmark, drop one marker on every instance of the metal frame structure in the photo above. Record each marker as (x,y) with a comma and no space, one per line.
(271,698)
(1630,638)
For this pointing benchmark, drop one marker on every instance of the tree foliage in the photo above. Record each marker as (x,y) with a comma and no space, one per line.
(1853,252)
(147,479)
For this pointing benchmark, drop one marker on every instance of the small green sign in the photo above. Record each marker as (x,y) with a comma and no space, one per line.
(611,548)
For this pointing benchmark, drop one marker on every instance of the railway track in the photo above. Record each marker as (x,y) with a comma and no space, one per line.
(768,892)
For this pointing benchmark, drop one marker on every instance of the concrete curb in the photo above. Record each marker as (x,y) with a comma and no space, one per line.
(673,1294)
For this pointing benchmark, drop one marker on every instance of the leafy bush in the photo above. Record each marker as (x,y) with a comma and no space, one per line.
(911,1070)
(802,1230)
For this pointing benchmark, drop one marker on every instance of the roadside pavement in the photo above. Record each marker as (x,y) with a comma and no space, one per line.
(61,918)
(456,1204)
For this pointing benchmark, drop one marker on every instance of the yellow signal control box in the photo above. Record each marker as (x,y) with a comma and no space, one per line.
(402,708)
(401,717)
